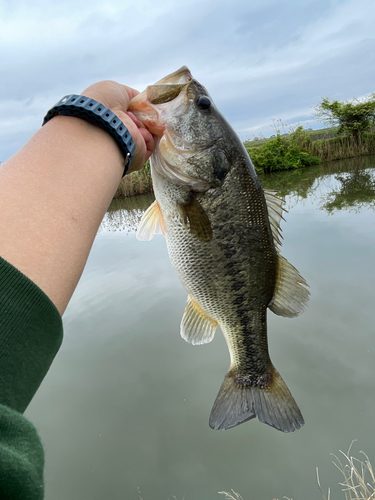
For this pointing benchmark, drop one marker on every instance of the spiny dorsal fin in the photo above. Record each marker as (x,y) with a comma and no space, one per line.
(199,222)
(196,327)
(152,222)
(291,296)
(275,214)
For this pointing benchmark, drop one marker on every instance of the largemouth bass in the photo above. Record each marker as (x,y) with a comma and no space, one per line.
(223,237)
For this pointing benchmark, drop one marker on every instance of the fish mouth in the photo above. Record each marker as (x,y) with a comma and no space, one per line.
(152,105)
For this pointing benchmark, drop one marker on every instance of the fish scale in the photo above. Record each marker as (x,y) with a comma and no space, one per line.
(223,236)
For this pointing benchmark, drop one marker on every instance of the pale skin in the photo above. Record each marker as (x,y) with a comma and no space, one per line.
(55,191)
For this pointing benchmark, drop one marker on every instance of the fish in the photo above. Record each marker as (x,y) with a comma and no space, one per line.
(223,237)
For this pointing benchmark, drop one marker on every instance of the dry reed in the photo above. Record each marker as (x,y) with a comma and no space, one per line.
(231,495)
(136,183)
(358,479)
(342,147)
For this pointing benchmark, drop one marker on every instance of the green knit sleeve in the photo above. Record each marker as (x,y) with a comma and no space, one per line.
(21,458)
(30,336)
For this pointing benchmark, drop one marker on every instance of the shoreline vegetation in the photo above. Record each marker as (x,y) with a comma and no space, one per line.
(351,134)
(283,151)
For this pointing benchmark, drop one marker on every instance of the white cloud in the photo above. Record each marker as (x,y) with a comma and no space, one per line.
(259,60)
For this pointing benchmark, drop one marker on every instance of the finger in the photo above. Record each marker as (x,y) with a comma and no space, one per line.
(136,120)
(149,141)
(130,91)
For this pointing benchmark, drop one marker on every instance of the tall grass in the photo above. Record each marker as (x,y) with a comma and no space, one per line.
(136,183)
(342,147)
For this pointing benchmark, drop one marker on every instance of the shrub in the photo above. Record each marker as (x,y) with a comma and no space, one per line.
(283,153)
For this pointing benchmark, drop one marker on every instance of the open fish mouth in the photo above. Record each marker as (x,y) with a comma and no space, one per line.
(155,103)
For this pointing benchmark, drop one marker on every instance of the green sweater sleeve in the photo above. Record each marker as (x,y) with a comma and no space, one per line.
(30,336)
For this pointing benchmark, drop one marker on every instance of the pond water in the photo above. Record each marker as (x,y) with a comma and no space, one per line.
(123,412)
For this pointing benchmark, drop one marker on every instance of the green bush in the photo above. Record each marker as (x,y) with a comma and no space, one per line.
(283,153)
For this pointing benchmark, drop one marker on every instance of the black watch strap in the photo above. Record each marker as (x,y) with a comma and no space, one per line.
(94,112)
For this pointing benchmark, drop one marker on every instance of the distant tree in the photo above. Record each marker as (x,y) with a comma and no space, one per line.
(352,117)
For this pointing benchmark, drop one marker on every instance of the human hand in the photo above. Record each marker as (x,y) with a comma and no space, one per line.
(117,97)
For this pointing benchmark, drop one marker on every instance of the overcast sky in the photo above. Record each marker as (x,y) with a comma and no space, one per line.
(259,59)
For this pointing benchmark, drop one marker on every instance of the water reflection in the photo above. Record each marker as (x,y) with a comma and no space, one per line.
(344,184)
(125,214)
(126,402)
(356,191)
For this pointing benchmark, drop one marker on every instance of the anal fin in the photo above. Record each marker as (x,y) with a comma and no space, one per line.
(196,327)
(152,222)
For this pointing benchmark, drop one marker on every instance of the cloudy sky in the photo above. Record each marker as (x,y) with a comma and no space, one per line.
(260,59)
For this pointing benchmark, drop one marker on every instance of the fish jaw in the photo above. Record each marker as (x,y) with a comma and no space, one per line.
(147,113)
(182,75)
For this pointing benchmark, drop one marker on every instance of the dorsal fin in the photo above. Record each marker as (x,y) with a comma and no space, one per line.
(290,296)
(152,222)
(275,214)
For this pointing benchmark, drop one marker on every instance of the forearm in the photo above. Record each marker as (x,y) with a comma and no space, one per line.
(53,195)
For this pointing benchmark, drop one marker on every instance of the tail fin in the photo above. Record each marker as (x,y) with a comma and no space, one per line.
(273,405)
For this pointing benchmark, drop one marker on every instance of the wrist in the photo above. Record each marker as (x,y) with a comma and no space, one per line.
(84,147)
(96,113)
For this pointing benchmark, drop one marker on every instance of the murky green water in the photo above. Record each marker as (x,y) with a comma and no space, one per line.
(127,401)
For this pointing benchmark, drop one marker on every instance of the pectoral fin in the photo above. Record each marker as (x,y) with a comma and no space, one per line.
(196,327)
(152,222)
(193,213)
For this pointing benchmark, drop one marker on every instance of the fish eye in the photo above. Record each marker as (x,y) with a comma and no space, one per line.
(203,102)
